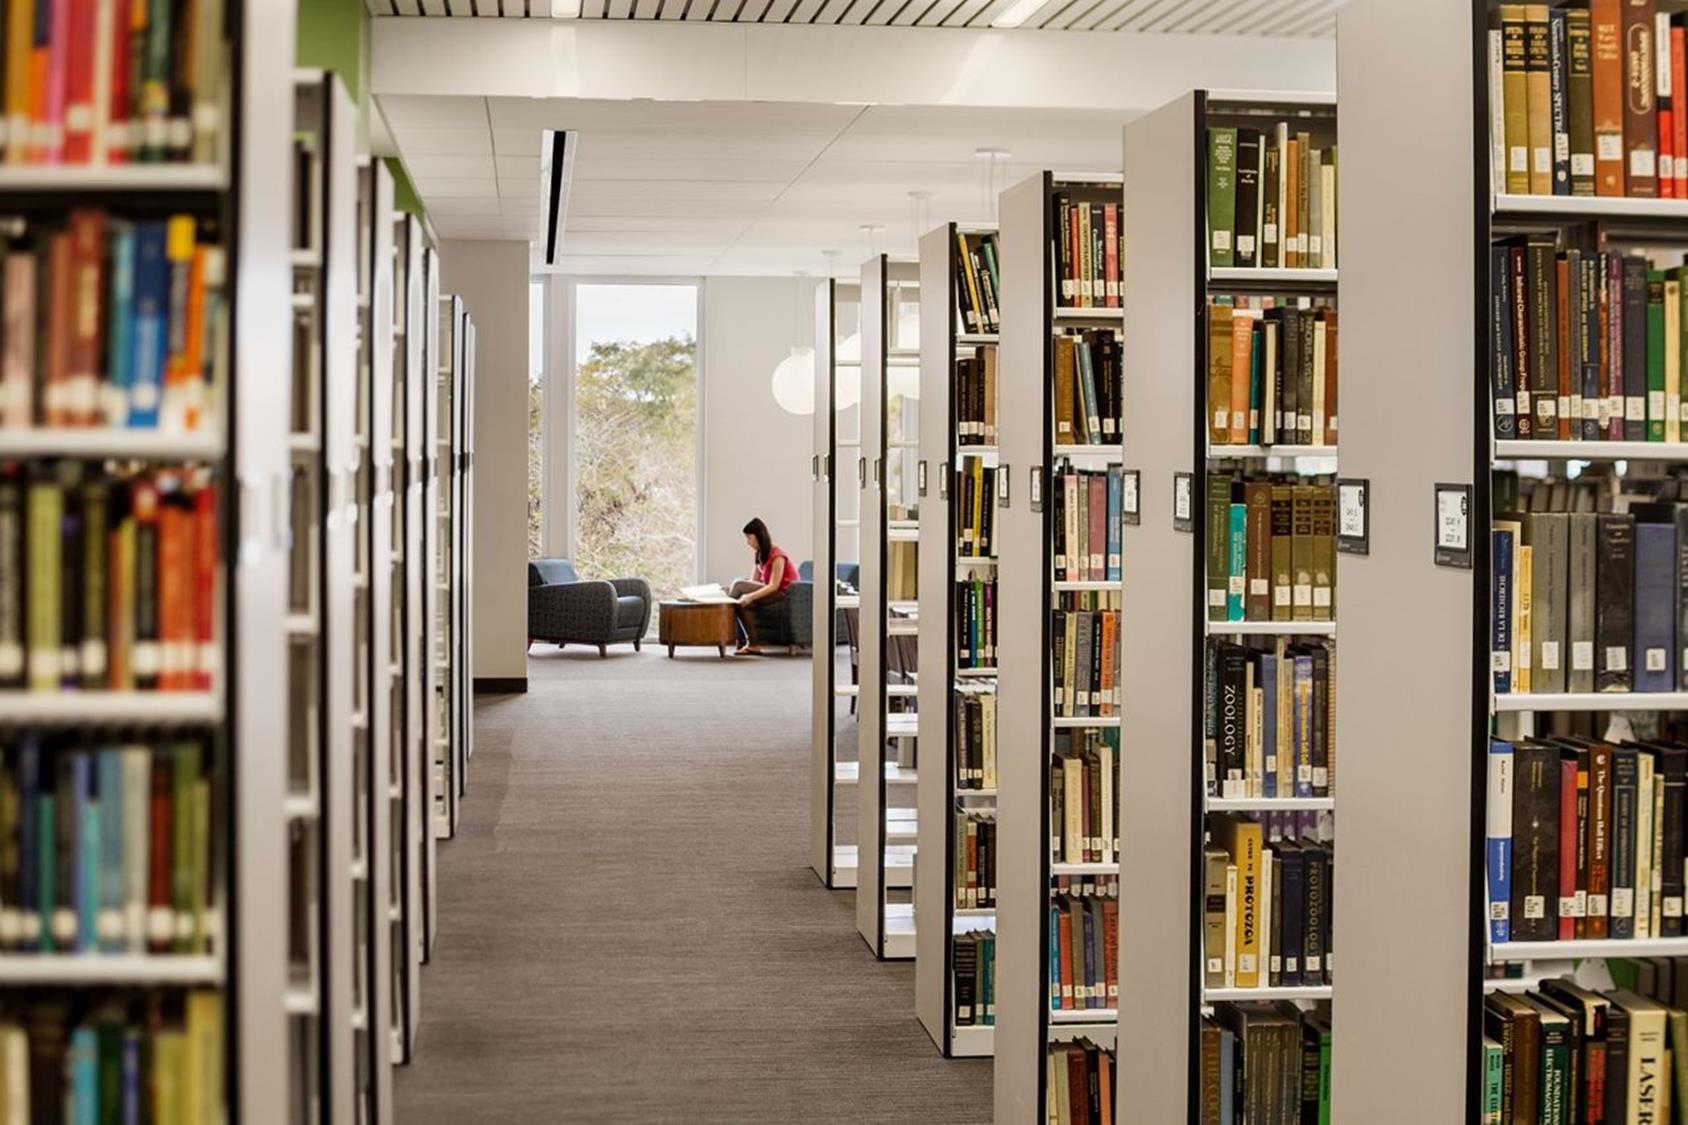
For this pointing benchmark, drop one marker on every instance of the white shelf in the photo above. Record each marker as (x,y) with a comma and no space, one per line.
(977,1041)
(912,609)
(899,930)
(104,441)
(847,691)
(902,627)
(902,691)
(1062,584)
(109,968)
(1249,452)
(300,806)
(112,177)
(1271,628)
(1083,869)
(903,724)
(301,625)
(849,773)
(975,794)
(1270,804)
(962,449)
(1590,207)
(974,560)
(897,534)
(1062,722)
(1562,950)
(1591,450)
(1307,992)
(1110,452)
(304,258)
(1083,1015)
(974,673)
(141,708)
(1099,1032)
(1275,275)
(1066,312)
(848,601)
(300,1000)
(1593,701)
(977,337)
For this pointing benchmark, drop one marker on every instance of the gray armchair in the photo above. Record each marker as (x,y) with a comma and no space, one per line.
(562,609)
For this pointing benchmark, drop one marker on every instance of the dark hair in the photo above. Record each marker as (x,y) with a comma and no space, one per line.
(764,542)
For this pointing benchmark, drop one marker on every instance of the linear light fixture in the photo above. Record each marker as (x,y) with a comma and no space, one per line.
(556,169)
(1018,14)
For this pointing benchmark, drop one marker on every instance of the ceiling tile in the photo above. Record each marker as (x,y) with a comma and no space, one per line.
(429,111)
(438,187)
(443,142)
(516,142)
(450,165)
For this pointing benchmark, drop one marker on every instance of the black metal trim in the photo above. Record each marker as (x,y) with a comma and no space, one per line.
(554,192)
(1479,543)
(881,701)
(1045,584)
(500,685)
(829,652)
(1198,607)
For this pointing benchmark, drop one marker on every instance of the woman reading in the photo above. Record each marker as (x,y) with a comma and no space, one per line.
(758,600)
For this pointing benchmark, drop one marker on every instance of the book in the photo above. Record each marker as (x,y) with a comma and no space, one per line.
(1271,197)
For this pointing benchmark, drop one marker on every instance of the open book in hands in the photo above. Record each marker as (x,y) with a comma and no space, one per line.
(710,592)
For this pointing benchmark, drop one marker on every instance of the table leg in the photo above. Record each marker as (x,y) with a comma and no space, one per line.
(721,650)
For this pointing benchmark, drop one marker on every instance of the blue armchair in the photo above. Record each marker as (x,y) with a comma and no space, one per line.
(562,609)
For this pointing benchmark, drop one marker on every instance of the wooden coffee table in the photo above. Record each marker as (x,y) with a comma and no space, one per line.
(696,623)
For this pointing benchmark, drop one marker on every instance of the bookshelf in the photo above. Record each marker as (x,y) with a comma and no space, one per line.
(372,604)
(837,544)
(1226,621)
(443,761)
(214,722)
(953,441)
(320,624)
(886,723)
(1037,319)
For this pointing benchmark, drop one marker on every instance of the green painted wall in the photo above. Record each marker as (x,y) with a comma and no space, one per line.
(404,192)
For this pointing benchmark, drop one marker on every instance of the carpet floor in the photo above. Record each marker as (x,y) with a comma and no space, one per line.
(629,928)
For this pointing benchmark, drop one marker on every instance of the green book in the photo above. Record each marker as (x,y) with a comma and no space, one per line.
(1221,196)
(1494,1073)
(1655,355)
(1579,100)
(1555,1062)
(1218,544)
(1676,1025)
(1324,1074)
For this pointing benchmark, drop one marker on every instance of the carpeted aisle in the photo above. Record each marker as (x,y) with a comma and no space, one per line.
(629,929)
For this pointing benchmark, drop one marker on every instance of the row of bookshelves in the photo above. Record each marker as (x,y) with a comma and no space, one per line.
(213,733)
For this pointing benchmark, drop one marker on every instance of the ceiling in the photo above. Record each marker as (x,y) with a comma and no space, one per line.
(1281,18)
(729,187)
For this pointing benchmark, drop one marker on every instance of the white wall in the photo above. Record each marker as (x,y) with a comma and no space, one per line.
(755,455)
(492,279)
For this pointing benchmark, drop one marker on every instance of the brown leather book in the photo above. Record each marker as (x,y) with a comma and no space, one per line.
(1065,359)
(1538,94)
(1641,127)
(1606,17)
(1218,374)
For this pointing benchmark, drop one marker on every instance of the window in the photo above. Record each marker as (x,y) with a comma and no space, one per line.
(635,413)
(536,421)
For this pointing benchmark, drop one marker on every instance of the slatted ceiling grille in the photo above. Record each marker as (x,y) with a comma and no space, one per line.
(1293,19)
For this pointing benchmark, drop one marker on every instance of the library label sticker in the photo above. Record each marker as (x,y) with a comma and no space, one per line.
(1002,487)
(1353,516)
(920,478)
(943,485)
(1130,511)
(1034,488)
(1453,525)
(1183,492)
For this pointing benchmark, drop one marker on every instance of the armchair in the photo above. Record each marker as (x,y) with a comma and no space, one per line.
(563,609)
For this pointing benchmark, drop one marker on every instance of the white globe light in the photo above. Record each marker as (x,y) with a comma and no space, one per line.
(850,349)
(847,390)
(793,382)
(904,381)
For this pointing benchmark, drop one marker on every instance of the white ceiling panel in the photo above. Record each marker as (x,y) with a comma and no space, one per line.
(519,187)
(434,112)
(455,206)
(476,165)
(444,142)
(647,243)
(588,166)
(516,142)
(697,191)
(578,113)
(442,187)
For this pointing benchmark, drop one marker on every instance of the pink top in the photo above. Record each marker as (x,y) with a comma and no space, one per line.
(763,570)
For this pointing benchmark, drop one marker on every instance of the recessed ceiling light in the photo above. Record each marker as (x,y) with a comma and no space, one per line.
(565,9)
(1013,17)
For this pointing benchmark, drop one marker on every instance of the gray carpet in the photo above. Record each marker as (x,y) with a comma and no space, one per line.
(629,929)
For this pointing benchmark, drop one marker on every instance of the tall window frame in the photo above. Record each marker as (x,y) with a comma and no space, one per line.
(560,498)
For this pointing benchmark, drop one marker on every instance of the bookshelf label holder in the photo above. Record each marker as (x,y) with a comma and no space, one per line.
(920,478)
(1353,515)
(943,486)
(1130,509)
(1002,487)
(1183,491)
(1034,489)
(1453,526)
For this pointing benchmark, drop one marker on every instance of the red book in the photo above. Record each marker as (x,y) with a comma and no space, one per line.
(1077,255)
(56,400)
(118,114)
(175,593)
(207,659)
(1679,106)
(161,917)
(1567,847)
(83,364)
(79,81)
(1331,352)
(1078,1086)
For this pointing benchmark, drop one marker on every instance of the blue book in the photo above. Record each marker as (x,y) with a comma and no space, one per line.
(1238,568)
(120,341)
(1302,728)
(1500,657)
(1087,392)
(1086,935)
(151,325)
(1268,678)
(1655,607)
(89,852)
(110,922)
(29,792)
(1498,843)
(132,1087)
(83,1066)
(1115,498)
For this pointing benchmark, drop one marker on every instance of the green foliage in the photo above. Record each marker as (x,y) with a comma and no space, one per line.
(636,461)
